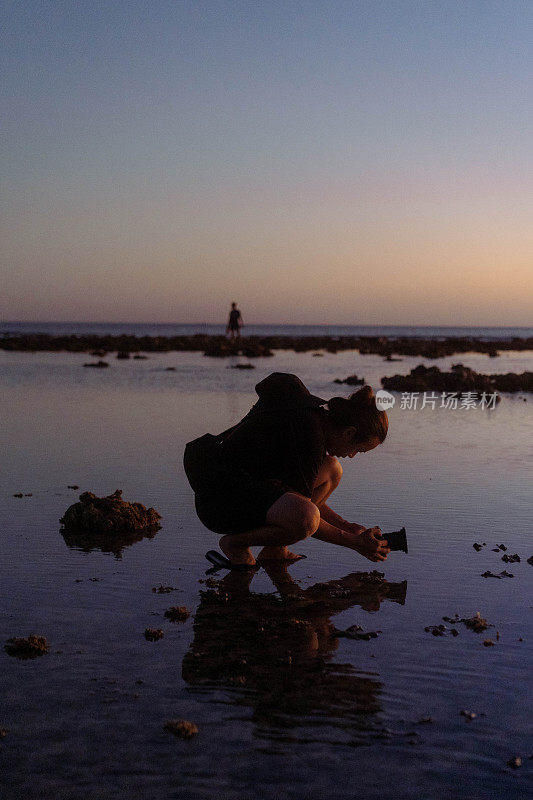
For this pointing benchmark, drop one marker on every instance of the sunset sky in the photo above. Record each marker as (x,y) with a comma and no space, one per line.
(364,162)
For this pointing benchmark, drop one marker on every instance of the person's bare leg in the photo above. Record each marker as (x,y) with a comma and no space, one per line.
(326,482)
(290,519)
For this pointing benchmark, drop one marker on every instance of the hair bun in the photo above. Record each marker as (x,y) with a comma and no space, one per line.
(359,411)
(364,397)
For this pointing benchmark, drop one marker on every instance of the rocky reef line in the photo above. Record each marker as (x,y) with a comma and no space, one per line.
(459,379)
(261,346)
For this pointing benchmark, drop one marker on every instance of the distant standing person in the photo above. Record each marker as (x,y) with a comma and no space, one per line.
(235,322)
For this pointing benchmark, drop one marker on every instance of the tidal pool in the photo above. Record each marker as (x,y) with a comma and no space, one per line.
(285,707)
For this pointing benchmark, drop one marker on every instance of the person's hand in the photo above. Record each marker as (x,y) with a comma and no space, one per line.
(371,546)
(353,527)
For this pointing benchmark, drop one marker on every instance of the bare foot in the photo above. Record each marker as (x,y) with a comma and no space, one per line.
(236,554)
(277,554)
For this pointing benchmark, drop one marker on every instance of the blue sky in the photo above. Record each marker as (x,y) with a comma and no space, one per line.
(318,162)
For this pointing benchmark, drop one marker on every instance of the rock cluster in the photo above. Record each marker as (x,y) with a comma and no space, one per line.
(109,514)
(459,379)
(475,623)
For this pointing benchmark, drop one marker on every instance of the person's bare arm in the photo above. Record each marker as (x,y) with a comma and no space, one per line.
(327,514)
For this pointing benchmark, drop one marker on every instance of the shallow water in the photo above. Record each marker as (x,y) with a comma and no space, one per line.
(284,708)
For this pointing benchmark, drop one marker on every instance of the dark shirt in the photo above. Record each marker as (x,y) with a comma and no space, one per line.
(282,437)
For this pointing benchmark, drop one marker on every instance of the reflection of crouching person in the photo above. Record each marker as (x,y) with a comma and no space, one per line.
(266,481)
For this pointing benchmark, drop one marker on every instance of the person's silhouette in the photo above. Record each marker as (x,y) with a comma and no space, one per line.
(235,323)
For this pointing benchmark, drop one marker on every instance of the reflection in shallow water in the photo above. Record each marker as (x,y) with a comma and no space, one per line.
(107,542)
(278,649)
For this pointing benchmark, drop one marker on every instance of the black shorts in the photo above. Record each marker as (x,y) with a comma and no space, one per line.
(237,502)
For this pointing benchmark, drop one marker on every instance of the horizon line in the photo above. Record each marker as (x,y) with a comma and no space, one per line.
(263,324)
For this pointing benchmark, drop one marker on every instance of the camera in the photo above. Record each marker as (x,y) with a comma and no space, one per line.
(396,540)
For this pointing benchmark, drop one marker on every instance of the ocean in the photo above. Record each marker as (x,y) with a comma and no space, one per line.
(180,329)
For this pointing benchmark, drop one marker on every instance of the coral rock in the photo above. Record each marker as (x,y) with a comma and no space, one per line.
(31,647)
(177,613)
(476,623)
(109,514)
(153,634)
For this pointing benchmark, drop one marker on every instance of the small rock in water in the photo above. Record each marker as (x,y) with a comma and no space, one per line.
(477,546)
(153,634)
(488,643)
(504,574)
(515,762)
(31,647)
(355,632)
(468,714)
(502,547)
(73,486)
(351,380)
(18,494)
(97,365)
(181,728)
(511,559)
(177,613)
(424,721)
(441,630)
(163,589)
(3,733)
(530,560)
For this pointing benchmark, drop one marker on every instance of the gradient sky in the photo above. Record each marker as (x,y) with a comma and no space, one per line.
(319,162)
